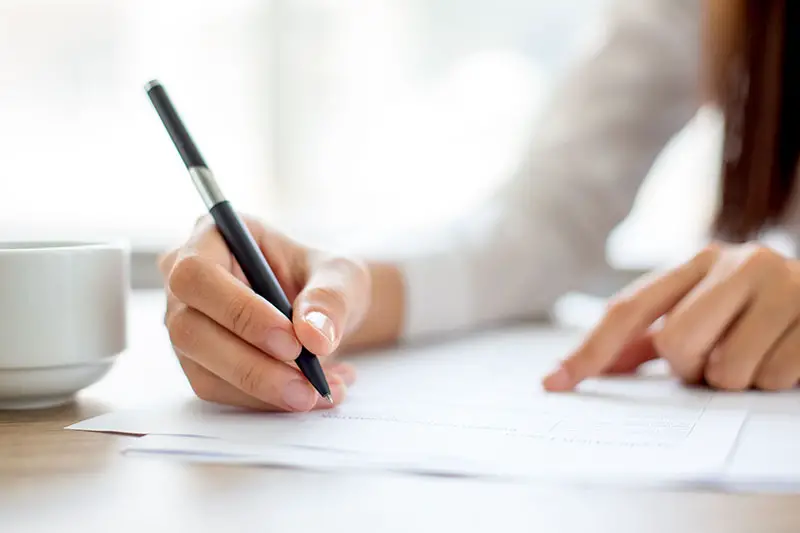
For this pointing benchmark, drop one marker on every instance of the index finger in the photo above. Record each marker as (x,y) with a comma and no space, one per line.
(202,278)
(628,316)
(206,241)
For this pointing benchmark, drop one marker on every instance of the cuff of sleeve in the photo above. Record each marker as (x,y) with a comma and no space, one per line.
(437,295)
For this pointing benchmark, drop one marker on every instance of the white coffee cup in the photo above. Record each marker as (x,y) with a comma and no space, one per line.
(63,312)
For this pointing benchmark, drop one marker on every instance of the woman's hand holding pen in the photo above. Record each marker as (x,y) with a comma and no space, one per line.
(730,318)
(235,347)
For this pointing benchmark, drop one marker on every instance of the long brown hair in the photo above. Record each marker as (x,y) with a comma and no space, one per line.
(753,50)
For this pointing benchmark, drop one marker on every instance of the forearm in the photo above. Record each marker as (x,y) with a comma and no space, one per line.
(544,232)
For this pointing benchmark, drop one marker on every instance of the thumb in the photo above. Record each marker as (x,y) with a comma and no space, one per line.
(333,302)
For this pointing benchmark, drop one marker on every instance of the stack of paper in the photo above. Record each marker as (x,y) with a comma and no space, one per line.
(475,408)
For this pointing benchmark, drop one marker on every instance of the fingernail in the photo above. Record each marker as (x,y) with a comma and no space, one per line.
(282,344)
(558,380)
(323,324)
(299,395)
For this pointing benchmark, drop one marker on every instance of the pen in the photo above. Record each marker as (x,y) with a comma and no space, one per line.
(233,230)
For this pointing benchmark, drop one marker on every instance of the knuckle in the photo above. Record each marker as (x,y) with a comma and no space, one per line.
(667,344)
(715,378)
(346,264)
(180,325)
(672,346)
(771,380)
(250,378)
(351,273)
(687,374)
(676,346)
(761,258)
(187,273)
(331,297)
(721,377)
(240,315)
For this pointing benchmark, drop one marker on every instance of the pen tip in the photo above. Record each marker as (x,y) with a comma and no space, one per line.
(150,84)
(329,398)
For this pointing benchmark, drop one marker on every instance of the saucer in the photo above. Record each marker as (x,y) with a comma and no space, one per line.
(47,387)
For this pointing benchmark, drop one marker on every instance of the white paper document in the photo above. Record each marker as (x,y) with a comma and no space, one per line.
(766,457)
(565,438)
(465,408)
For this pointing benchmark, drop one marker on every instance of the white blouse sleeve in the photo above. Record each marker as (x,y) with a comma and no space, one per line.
(545,232)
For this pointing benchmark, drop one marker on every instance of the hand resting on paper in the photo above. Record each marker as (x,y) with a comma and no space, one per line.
(235,347)
(729,318)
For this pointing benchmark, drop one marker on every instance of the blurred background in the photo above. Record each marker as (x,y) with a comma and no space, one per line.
(314,114)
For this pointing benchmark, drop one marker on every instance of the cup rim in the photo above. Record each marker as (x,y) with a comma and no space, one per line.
(57,245)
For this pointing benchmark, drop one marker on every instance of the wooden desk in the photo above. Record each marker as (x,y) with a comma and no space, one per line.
(53,480)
